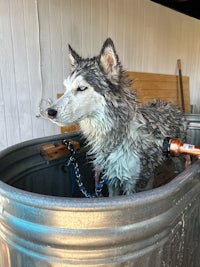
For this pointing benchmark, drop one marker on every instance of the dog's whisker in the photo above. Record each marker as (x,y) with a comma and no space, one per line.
(42,107)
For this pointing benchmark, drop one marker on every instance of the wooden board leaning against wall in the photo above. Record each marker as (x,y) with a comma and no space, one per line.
(150,86)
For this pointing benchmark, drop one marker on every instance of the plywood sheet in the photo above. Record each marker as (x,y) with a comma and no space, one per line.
(163,86)
(150,86)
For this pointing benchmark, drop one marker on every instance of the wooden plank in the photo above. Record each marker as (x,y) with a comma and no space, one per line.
(70,128)
(52,152)
(163,86)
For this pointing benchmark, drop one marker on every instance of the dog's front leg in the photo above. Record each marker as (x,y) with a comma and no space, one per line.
(113,190)
(129,187)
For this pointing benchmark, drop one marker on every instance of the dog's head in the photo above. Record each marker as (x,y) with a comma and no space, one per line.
(87,85)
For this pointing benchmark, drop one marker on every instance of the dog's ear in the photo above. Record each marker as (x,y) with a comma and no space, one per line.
(109,59)
(74,57)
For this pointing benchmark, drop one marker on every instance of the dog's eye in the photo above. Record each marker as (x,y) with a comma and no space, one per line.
(82,88)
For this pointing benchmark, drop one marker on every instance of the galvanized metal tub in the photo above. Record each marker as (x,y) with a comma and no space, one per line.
(193,128)
(43,228)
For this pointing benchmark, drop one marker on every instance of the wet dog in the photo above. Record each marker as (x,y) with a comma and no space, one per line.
(124,137)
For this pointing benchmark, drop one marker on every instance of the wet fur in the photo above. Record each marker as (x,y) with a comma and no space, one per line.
(125,138)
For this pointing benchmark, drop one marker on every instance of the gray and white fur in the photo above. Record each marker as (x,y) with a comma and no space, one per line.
(125,138)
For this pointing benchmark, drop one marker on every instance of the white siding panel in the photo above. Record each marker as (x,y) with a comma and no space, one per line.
(10,130)
(86,25)
(66,33)
(48,53)
(3,134)
(33,65)
(56,44)
(76,24)
(99,25)
(21,68)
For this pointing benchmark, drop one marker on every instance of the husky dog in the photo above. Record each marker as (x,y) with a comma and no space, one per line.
(125,138)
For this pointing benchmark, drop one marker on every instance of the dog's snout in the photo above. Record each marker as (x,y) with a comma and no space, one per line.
(51,112)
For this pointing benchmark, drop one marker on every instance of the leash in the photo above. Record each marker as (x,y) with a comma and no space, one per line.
(71,162)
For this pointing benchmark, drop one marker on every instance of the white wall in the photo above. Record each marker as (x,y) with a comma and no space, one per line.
(33,51)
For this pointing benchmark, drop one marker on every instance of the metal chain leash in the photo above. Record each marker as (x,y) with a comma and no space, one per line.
(72,161)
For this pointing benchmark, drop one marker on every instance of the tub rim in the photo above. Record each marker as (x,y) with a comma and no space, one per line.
(38,200)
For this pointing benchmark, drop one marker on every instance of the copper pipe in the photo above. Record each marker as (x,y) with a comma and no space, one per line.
(177,148)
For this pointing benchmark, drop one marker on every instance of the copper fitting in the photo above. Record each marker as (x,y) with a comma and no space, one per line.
(177,147)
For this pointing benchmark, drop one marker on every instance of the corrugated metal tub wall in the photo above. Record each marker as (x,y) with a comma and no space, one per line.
(43,226)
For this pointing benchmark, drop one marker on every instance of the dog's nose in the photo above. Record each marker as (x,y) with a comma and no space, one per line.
(51,112)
